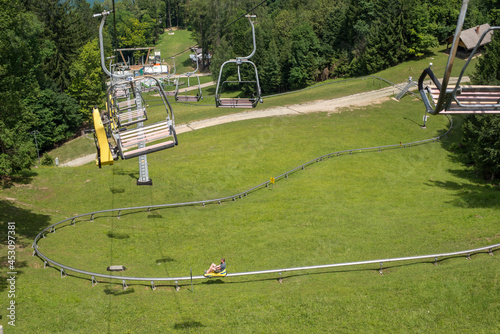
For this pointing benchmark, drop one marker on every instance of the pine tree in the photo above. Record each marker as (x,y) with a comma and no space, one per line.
(19,68)
(481,133)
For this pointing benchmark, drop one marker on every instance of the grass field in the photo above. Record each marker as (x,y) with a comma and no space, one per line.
(399,202)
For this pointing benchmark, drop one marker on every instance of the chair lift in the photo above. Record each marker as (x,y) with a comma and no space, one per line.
(168,77)
(188,98)
(463,99)
(125,107)
(146,138)
(248,102)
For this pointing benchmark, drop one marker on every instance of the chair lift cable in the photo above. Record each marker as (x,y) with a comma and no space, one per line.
(221,29)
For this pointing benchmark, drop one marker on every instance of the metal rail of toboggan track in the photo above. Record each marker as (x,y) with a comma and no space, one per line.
(91,215)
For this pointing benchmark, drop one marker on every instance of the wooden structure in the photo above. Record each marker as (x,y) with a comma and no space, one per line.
(469,39)
(461,99)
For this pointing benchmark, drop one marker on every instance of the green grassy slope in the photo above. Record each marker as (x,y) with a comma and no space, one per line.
(399,202)
(170,45)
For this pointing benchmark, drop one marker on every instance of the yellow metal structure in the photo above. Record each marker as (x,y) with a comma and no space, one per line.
(104,156)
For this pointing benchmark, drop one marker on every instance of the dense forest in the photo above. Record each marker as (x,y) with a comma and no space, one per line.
(50,73)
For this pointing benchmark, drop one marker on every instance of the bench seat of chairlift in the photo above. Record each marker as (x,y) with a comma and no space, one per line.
(236,103)
(132,117)
(170,93)
(145,134)
(137,113)
(187,98)
(119,93)
(148,149)
(127,104)
(487,97)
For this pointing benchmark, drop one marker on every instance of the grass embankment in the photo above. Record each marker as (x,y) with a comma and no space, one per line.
(75,148)
(399,202)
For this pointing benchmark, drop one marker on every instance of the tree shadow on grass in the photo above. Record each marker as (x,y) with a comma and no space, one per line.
(473,192)
(23,177)
(27,224)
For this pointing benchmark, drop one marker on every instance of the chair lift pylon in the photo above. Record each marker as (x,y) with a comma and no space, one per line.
(462,99)
(240,102)
(188,98)
(121,131)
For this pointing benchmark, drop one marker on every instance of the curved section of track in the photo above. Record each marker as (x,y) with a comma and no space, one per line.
(91,216)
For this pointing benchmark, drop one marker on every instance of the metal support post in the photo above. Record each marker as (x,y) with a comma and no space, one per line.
(191,271)
(143,179)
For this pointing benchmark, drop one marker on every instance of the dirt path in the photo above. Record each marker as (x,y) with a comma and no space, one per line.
(330,106)
(193,87)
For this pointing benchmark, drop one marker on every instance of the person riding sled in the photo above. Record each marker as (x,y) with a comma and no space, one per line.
(217,269)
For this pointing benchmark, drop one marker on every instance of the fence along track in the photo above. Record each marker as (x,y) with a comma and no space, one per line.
(92,215)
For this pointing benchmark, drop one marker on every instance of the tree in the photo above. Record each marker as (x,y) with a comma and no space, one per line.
(87,80)
(65,34)
(20,55)
(304,57)
(269,71)
(481,142)
(57,117)
(481,133)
